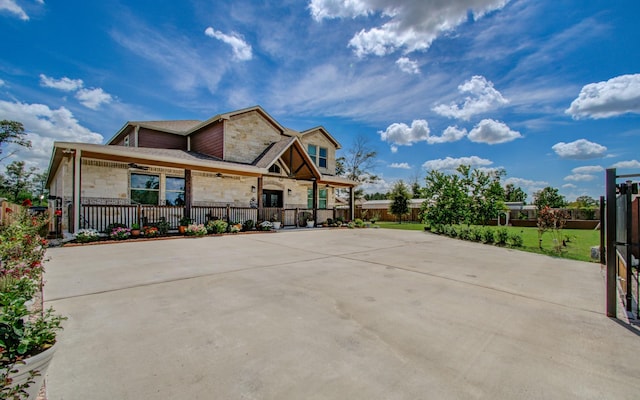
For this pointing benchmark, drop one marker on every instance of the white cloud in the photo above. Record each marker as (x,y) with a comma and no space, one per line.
(581,149)
(93,98)
(627,164)
(449,163)
(241,50)
(482,97)
(407,65)
(587,169)
(569,186)
(12,7)
(451,134)
(529,186)
(2,83)
(400,134)
(411,25)
(64,83)
(616,96)
(403,165)
(321,9)
(492,132)
(43,126)
(580,177)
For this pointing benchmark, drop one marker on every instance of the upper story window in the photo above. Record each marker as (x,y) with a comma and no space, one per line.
(318,155)
(126,141)
(275,169)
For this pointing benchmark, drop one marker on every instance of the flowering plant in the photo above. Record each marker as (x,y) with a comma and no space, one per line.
(87,235)
(196,230)
(265,225)
(120,233)
(217,226)
(150,231)
(25,330)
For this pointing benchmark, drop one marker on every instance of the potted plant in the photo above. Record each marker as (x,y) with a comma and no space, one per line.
(275,221)
(184,222)
(135,230)
(27,333)
(196,230)
(310,222)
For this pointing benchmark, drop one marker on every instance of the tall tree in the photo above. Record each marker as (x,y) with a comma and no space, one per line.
(548,197)
(446,199)
(358,163)
(399,197)
(17,182)
(513,193)
(12,132)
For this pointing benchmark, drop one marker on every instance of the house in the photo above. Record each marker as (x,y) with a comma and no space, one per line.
(243,162)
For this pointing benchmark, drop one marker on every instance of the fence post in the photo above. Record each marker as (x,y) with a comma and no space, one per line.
(228,213)
(611,242)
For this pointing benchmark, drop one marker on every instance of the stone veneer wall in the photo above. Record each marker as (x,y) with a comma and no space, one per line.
(246,136)
(318,139)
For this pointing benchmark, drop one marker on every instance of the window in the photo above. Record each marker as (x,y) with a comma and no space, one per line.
(322,198)
(318,155)
(322,158)
(174,191)
(275,168)
(145,189)
(272,198)
(126,141)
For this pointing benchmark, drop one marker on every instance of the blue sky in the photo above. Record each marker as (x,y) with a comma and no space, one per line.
(549,90)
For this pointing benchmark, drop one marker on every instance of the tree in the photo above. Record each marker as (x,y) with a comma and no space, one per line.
(376,196)
(17,182)
(548,197)
(358,163)
(446,201)
(12,132)
(586,202)
(513,193)
(399,197)
(485,192)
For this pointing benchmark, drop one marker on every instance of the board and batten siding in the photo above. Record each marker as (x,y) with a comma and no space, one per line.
(161,140)
(209,140)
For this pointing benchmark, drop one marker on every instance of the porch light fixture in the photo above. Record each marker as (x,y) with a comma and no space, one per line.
(253,189)
(219,175)
(289,192)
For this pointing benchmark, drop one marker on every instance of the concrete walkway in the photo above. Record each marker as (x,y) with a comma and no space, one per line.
(332,314)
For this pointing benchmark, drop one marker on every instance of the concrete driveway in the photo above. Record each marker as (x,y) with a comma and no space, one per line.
(332,314)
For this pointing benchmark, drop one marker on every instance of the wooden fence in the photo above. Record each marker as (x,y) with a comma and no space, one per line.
(9,212)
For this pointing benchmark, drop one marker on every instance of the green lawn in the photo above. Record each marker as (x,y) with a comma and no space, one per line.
(578,245)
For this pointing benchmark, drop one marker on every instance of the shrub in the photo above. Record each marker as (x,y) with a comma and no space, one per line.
(465,233)
(216,226)
(163,227)
(120,233)
(359,223)
(151,231)
(113,226)
(196,230)
(87,235)
(476,234)
(248,225)
(488,235)
(265,226)
(502,235)
(516,239)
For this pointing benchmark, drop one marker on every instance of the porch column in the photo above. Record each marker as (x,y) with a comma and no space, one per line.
(187,193)
(315,201)
(259,193)
(351,204)
(77,164)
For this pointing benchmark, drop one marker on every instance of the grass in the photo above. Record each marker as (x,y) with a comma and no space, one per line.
(578,246)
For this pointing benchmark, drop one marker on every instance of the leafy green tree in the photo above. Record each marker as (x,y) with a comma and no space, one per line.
(446,200)
(416,190)
(485,193)
(358,163)
(17,182)
(399,197)
(12,132)
(549,197)
(513,193)
(376,196)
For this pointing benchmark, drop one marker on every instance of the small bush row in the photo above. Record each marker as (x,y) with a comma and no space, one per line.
(500,236)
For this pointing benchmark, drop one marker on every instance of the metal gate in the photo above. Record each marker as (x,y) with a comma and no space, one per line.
(622,243)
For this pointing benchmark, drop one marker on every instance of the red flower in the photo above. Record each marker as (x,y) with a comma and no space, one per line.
(8,210)
(58,213)
(27,203)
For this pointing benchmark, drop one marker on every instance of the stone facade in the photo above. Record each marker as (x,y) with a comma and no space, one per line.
(317,138)
(246,136)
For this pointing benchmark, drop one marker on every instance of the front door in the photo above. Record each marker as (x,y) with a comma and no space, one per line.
(272,198)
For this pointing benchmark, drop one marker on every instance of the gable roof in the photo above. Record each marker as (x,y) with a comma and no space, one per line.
(292,153)
(324,132)
(229,115)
